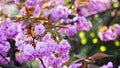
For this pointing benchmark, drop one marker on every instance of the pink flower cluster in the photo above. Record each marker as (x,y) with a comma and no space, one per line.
(94,6)
(109,65)
(111,33)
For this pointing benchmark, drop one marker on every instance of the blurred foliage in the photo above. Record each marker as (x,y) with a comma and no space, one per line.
(88,43)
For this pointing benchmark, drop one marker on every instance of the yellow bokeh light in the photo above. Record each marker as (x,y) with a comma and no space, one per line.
(82,34)
(116,5)
(103,48)
(92,34)
(96,16)
(117,43)
(18,15)
(83,41)
(95,40)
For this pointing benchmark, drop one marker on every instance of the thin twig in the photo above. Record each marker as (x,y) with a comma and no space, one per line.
(42,62)
(102,12)
(33,38)
(4,58)
(99,13)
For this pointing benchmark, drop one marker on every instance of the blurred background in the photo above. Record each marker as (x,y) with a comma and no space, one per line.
(87,43)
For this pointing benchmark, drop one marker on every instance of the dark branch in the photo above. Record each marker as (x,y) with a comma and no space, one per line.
(42,62)
(102,12)
(12,51)
(4,58)
(99,13)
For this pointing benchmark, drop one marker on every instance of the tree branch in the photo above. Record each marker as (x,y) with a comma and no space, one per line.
(42,62)
(12,51)
(99,13)
(4,58)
